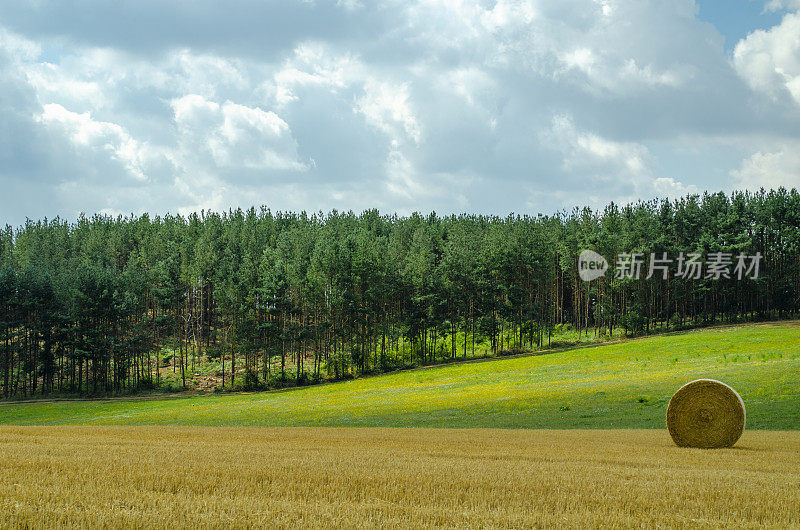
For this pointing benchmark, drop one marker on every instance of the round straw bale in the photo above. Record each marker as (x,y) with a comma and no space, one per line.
(706,414)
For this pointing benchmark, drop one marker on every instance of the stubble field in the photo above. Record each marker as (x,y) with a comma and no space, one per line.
(309,477)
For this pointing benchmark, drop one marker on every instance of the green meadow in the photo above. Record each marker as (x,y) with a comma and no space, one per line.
(619,385)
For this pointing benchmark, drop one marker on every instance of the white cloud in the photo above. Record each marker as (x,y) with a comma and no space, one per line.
(194,112)
(87,133)
(590,153)
(779,5)
(599,42)
(350,5)
(610,170)
(51,83)
(770,169)
(387,107)
(205,73)
(19,47)
(235,136)
(312,65)
(402,177)
(769,60)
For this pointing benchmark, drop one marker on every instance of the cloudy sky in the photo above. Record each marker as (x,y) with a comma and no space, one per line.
(491,107)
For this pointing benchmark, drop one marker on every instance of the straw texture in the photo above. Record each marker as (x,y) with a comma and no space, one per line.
(707,414)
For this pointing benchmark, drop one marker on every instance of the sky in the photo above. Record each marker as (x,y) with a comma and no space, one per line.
(523,106)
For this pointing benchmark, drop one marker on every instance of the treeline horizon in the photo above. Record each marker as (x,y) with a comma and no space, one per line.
(93,306)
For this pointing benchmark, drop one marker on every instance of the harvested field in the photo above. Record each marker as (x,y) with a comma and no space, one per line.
(288,477)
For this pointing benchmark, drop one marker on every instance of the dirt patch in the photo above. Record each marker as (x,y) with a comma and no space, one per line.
(207,383)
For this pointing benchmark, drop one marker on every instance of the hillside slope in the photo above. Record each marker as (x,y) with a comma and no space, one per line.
(620,385)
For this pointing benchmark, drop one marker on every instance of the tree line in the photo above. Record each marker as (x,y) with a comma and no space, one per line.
(102,304)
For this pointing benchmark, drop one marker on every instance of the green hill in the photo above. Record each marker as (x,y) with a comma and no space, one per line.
(626,384)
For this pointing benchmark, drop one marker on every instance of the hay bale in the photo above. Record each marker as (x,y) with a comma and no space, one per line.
(706,414)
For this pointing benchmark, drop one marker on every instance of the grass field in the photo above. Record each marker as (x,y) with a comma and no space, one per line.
(158,477)
(622,385)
